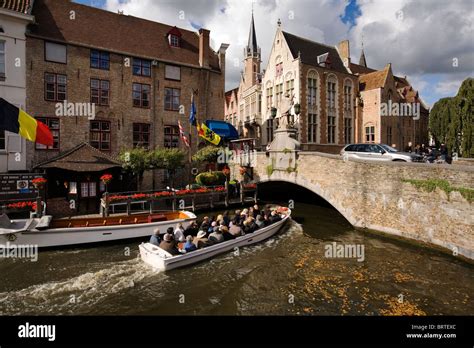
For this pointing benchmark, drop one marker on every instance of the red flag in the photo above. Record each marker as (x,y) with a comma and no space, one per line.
(182,136)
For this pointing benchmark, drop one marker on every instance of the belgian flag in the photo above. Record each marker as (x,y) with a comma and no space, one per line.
(17,121)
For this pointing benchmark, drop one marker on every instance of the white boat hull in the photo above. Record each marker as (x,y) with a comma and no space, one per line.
(164,261)
(86,235)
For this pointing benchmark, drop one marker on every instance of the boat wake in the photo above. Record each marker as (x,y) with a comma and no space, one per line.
(76,295)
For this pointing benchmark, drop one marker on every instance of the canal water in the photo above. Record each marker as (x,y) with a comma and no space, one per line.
(286,275)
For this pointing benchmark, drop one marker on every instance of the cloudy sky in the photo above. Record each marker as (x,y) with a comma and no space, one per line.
(429,41)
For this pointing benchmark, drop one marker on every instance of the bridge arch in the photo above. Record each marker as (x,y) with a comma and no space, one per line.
(313,187)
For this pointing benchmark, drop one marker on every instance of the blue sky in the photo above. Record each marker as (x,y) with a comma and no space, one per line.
(420,38)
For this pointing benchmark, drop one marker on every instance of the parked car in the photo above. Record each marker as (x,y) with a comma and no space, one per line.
(378,152)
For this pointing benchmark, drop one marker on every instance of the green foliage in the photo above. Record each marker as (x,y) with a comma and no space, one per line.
(211,179)
(270,170)
(431,185)
(135,161)
(452,121)
(169,159)
(208,154)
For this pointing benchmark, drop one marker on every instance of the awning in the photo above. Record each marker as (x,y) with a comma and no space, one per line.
(82,158)
(225,130)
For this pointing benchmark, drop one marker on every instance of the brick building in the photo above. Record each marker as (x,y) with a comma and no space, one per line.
(139,74)
(378,87)
(318,78)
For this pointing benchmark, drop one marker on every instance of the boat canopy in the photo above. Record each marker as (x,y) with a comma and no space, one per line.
(224,129)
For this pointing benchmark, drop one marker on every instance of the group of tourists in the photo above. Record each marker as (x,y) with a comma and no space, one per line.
(214,230)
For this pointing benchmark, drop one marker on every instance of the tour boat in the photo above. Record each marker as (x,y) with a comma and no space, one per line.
(161,260)
(48,232)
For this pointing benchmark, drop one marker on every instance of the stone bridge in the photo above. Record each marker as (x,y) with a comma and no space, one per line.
(377,196)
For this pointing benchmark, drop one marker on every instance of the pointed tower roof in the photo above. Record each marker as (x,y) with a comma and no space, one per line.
(252,49)
(362,60)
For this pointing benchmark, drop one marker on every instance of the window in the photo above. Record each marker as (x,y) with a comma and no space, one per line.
(56,53)
(141,67)
(174,40)
(100,92)
(312,93)
(269,130)
(312,128)
(2,140)
(269,97)
(331,106)
(141,95)
(53,125)
(73,188)
(2,61)
(100,135)
(141,135)
(279,93)
(100,60)
(348,98)
(370,134)
(172,99)
(172,72)
(171,137)
(88,189)
(347,130)
(290,87)
(279,69)
(389,135)
(55,87)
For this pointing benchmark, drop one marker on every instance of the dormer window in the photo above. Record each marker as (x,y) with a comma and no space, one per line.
(174,40)
(324,61)
(174,37)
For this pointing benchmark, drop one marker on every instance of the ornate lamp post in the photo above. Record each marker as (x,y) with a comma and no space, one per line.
(39,184)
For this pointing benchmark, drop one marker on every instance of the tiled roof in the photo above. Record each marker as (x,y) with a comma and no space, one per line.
(228,95)
(310,51)
(360,70)
(110,31)
(373,80)
(82,158)
(22,6)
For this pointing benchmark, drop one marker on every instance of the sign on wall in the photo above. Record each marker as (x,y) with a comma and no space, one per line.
(17,186)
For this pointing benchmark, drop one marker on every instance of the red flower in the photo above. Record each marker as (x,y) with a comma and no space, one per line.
(22,205)
(106,178)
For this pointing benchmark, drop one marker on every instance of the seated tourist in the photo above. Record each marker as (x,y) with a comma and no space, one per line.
(189,246)
(216,237)
(205,224)
(235,230)
(259,221)
(250,214)
(226,218)
(179,233)
(155,238)
(213,227)
(274,217)
(219,219)
(168,244)
(249,225)
(191,230)
(201,240)
(236,219)
(226,234)
(256,211)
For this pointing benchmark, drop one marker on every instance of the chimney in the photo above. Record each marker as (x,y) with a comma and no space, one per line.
(221,53)
(204,48)
(344,52)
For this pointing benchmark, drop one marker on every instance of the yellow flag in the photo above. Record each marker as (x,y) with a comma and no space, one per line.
(207,134)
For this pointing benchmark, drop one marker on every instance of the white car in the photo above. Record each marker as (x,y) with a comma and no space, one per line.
(378,152)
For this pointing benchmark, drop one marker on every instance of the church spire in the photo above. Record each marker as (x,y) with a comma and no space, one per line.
(362,60)
(252,49)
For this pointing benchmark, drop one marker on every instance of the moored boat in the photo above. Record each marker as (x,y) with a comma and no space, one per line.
(164,261)
(48,232)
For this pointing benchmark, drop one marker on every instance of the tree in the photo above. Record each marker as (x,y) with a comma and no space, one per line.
(136,161)
(208,154)
(451,120)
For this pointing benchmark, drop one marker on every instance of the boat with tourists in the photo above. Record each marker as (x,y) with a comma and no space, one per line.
(164,261)
(47,232)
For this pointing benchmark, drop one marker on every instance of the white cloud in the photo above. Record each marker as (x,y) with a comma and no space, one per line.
(420,38)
